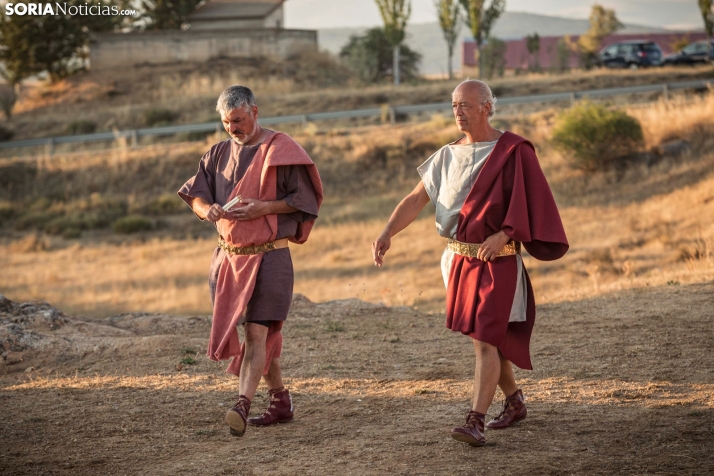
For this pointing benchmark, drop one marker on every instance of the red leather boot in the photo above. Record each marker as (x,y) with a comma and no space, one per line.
(514,410)
(280,409)
(472,431)
(237,416)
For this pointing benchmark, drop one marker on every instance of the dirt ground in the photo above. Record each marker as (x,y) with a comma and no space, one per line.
(623,384)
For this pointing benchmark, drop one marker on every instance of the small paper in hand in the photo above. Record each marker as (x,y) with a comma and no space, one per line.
(227,207)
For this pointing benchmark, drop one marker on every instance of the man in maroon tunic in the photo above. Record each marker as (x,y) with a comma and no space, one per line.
(490,196)
(251,285)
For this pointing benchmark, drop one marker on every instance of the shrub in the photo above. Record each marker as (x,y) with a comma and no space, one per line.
(5,134)
(7,212)
(165,204)
(594,137)
(81,126)
(159,117)
(8,98)
(131,224)
(34,219)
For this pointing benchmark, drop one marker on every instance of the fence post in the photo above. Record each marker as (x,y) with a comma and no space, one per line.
(392,116)
(134,139)
(303,119)
(50,147)
(572,99)
(665,92)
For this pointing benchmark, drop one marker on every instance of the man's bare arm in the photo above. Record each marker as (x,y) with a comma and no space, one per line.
(405,213)
(251,210)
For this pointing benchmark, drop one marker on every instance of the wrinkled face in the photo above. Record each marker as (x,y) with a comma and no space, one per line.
(469,109)
(241,124)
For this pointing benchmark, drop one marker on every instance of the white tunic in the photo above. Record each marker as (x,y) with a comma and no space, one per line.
(448,177)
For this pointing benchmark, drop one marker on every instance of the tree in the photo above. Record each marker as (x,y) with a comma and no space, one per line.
(481,20)
(449,13)
(53,43)
(563,51)
(166,14)
(533,46)
(395,14)
(370,56)
(493,58)
(603,22)
(707,9)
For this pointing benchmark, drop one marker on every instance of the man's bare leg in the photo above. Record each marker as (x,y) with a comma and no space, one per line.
(273,378)
(488,372)
(250,372)
(280,408)
(514,408)
(507,381)
(254,359)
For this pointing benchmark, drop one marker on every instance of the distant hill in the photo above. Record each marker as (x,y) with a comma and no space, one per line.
(427,38)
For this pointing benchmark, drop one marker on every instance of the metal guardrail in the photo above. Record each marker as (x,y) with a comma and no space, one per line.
(134,135)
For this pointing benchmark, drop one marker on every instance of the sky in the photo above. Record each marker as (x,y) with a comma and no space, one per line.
(316,14)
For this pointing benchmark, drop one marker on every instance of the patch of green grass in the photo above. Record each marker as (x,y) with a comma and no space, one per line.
(188,360)
(332,326)
(81,126)
(188,350)
(131,224)
(159,117)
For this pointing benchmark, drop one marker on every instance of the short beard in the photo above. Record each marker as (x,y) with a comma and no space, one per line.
(249,137)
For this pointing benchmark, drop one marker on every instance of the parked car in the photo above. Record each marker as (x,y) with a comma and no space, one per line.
(693,53)
(631,54)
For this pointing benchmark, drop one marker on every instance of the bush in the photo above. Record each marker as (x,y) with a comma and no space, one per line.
(5,134)
(81,127)
(131,224)
(593,137)
(159,117)
(34,219)
(7,212)
(168,203)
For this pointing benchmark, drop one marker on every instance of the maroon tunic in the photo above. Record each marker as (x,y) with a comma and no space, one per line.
(219,172)
(510,194)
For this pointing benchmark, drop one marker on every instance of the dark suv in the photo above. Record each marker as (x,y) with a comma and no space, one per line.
(631,54)
(693,53)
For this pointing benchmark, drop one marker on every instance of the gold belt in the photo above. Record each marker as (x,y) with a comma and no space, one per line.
(471,250)
(252,250)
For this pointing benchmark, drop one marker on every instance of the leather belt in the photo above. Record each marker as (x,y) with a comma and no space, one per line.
(471,250)
(252,250)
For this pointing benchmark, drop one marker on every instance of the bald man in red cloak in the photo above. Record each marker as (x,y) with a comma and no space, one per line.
(491,199)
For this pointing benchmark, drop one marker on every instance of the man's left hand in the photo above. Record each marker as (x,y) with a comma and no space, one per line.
(488,251)
(251,209)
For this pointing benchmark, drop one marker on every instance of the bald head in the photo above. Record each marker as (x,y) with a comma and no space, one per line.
(476,92)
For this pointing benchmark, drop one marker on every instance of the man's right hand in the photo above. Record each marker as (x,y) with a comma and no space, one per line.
(380,247)
(215,213)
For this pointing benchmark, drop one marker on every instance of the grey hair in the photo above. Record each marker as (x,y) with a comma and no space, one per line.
(490,99)
(235,97)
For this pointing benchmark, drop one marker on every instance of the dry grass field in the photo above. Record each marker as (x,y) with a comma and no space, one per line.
(622,347)
(121,99)
(648,225)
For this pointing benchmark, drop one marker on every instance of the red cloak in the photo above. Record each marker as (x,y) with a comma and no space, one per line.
(510,194)
(238,273)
